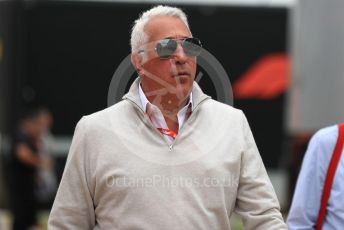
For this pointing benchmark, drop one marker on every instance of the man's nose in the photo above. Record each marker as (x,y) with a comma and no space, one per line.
(180,55)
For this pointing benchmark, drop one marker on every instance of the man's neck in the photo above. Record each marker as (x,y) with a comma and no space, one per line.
(169,105)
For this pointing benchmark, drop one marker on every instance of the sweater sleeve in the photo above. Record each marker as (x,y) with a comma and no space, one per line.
(73,206)
(256,202)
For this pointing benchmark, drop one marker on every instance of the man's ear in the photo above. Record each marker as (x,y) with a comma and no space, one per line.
(136,60)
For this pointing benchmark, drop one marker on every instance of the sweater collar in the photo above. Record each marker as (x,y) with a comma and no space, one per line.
(133,94)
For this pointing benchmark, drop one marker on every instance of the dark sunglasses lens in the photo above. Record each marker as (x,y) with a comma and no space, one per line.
(192,46)
(165,48)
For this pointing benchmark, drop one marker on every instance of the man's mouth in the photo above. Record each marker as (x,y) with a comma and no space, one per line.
(182,74)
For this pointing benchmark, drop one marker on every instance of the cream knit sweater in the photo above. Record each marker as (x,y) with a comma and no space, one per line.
(122,174)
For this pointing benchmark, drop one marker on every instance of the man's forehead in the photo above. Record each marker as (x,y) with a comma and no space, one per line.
(161,27)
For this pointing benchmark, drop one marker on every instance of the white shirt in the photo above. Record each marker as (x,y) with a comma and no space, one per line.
(156,116)
(307,197)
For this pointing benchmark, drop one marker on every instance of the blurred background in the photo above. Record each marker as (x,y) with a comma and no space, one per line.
(284,58)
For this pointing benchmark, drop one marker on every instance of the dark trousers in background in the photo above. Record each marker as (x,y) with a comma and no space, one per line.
(24,204)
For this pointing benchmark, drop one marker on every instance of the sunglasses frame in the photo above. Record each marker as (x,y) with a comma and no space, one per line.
(182,42)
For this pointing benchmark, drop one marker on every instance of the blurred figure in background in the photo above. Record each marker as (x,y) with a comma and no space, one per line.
(32,176)
(25,160)
(319,194)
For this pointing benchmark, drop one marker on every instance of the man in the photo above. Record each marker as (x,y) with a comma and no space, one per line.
(25,161)
(167,156)
(310,196)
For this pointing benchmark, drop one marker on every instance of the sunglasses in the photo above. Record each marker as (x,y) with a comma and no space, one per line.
(165,48)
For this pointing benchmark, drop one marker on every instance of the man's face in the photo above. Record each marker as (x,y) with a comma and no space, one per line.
(33,128)
(177,73)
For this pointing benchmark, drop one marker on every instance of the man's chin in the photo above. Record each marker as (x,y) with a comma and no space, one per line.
(183,92)
(182,78)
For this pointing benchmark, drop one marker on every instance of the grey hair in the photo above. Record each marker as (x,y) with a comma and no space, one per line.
(139,36)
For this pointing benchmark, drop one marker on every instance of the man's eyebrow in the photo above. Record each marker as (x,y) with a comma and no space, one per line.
(176,38)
